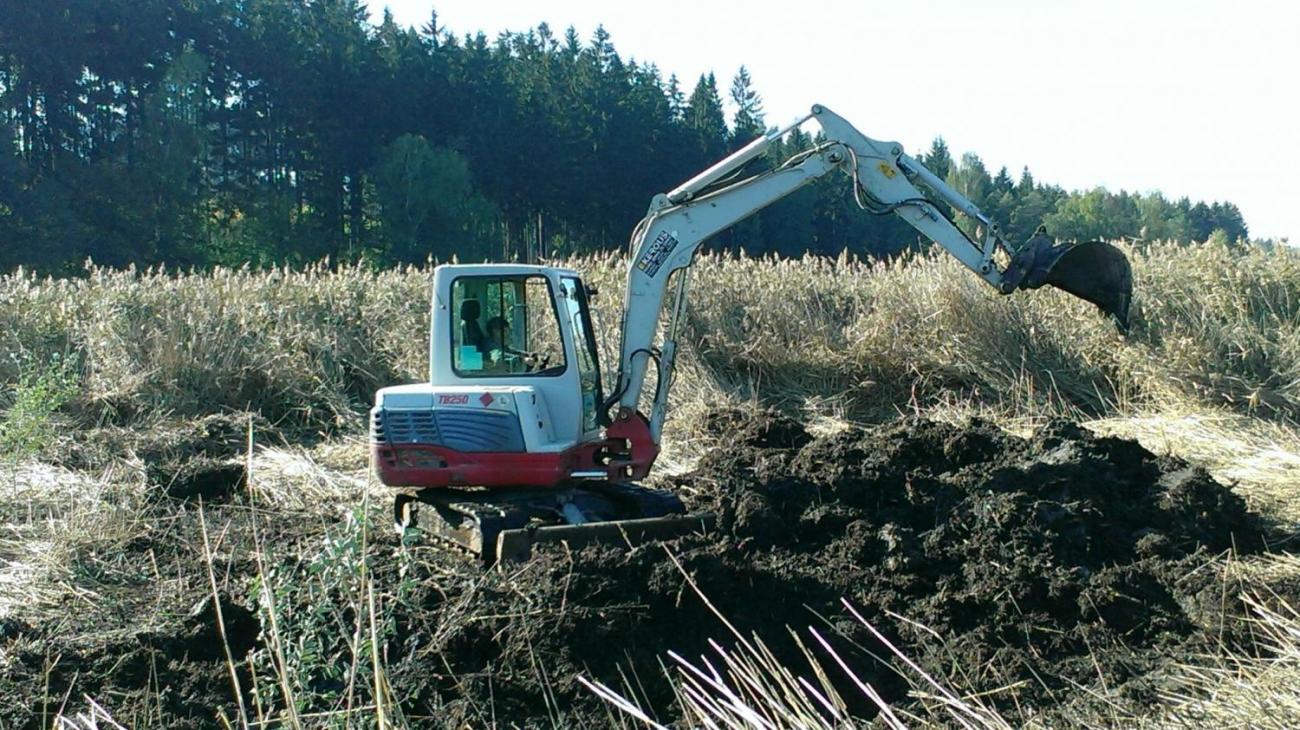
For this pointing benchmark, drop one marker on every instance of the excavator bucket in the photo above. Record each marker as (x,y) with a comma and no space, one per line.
(1098,272)
(1094,271)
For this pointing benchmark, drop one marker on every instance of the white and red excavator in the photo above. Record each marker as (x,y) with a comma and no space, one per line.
(515,439)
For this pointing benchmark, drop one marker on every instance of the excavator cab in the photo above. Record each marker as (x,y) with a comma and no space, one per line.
(513,389)
(505,440)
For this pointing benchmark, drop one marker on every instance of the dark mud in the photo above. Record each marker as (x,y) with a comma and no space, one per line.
(201,459)
(1042,565)
(185,460)
(174,679)
(138,633)
(205,478)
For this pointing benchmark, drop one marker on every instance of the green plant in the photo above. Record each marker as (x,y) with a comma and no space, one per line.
(41,390)
(320,610)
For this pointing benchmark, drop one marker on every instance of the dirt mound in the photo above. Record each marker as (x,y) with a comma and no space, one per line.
(181,676)
(201,635)
(1041,563)
(199,478)
(12,628)
(764,429)
(187,459)
(148,647)
(200,458)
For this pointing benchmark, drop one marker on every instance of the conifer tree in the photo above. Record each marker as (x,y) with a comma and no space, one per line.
(748,120)
(704,115)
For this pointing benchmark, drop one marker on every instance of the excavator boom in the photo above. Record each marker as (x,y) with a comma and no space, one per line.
(884,181)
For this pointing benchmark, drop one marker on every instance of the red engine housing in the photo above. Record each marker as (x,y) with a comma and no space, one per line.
(626,453)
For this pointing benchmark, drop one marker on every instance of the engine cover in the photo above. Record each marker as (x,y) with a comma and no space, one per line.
(428,436)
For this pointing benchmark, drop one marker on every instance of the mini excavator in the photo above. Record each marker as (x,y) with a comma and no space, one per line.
(514,440)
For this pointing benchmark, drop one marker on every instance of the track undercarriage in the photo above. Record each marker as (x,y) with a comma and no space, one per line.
(504,524)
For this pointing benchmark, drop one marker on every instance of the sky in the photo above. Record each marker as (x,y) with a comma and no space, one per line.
(1190,98)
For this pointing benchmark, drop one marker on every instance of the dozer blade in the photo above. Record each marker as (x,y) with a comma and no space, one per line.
(1094,271)
(504,525)
(516,545)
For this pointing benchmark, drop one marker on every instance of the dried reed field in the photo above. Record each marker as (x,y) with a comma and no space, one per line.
(190,535)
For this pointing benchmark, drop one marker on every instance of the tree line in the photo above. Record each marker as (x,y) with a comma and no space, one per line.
(202,132)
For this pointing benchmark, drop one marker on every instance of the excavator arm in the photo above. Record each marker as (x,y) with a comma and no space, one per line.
(884,180)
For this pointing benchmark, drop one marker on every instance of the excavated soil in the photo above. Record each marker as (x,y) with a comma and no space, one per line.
(1031,567)
(1041,565)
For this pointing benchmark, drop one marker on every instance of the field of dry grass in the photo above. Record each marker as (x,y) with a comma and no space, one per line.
(114,386)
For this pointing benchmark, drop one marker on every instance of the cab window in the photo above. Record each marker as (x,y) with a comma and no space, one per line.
(505,325)
(588,373)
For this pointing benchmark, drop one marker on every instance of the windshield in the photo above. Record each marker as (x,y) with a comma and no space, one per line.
(505,325)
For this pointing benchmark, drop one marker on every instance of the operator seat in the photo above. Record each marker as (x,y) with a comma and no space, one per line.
(471,332)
